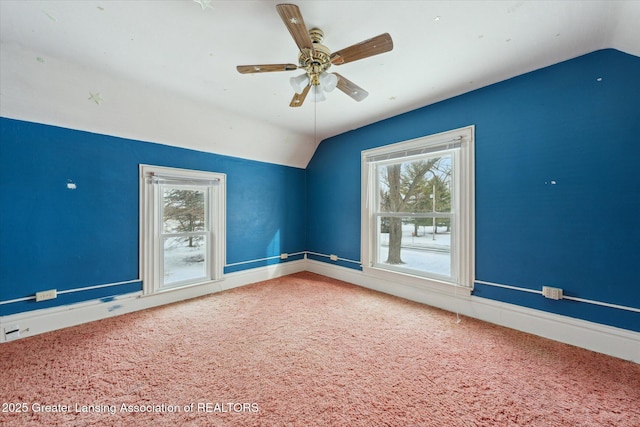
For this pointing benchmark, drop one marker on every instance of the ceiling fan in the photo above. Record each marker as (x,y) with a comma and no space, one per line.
(315,58)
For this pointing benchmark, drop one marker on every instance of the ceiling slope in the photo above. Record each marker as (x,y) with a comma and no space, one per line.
(164,71)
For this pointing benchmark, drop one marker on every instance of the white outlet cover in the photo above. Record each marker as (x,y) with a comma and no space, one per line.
(11,332)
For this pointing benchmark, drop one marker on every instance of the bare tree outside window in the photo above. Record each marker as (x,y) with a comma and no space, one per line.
(184,233)
(184,212)
(414,187)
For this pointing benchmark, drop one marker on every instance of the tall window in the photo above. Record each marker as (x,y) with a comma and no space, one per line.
(417,212)
(182,218)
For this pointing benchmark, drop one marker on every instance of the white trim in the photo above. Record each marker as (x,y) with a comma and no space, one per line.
(251,261)
(514,288)
(587,301)
(253,275)
(50,319)
(69,291)
(384,277)
(337,258)
(603,304)
(617,342)
(150,242)
(463,140)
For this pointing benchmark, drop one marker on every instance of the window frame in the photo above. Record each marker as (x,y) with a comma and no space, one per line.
(152,234)
(459,142)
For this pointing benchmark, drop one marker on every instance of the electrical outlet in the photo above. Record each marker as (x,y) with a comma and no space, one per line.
(552,293)
(46,295)
(333,257)
(284,256)
(11,332)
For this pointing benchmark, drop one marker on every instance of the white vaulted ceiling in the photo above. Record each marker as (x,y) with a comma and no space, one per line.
(164,71)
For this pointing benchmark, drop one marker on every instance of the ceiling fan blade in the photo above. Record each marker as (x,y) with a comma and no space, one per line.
(364,49)
(298,98)
(350,88)
(265,68)
(292,18)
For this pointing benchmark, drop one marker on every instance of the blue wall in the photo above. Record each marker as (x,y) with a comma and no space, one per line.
(53,237)
(560,123)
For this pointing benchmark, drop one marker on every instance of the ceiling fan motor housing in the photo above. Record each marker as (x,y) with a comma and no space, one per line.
(316,61)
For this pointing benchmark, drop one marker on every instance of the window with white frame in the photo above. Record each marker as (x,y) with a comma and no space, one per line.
(418,209)
(182,225)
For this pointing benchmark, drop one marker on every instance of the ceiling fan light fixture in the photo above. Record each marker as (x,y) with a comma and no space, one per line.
(298,83)
(318,94)
(328,81)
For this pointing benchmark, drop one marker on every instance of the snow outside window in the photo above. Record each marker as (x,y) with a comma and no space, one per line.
(417,209)
(182,221)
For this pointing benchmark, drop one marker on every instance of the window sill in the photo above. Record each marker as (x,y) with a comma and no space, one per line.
(418,282)
(182,288)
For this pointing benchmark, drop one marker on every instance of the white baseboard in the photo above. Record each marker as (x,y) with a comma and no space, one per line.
(617,342)
(49,319)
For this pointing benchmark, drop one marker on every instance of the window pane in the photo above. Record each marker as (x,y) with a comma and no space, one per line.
(184,259)
(411,244)
(183,210)
(416,186)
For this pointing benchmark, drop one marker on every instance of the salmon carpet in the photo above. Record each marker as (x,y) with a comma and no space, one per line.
(305,350)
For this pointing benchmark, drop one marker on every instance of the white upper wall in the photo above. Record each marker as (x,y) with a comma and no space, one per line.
(165,70)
